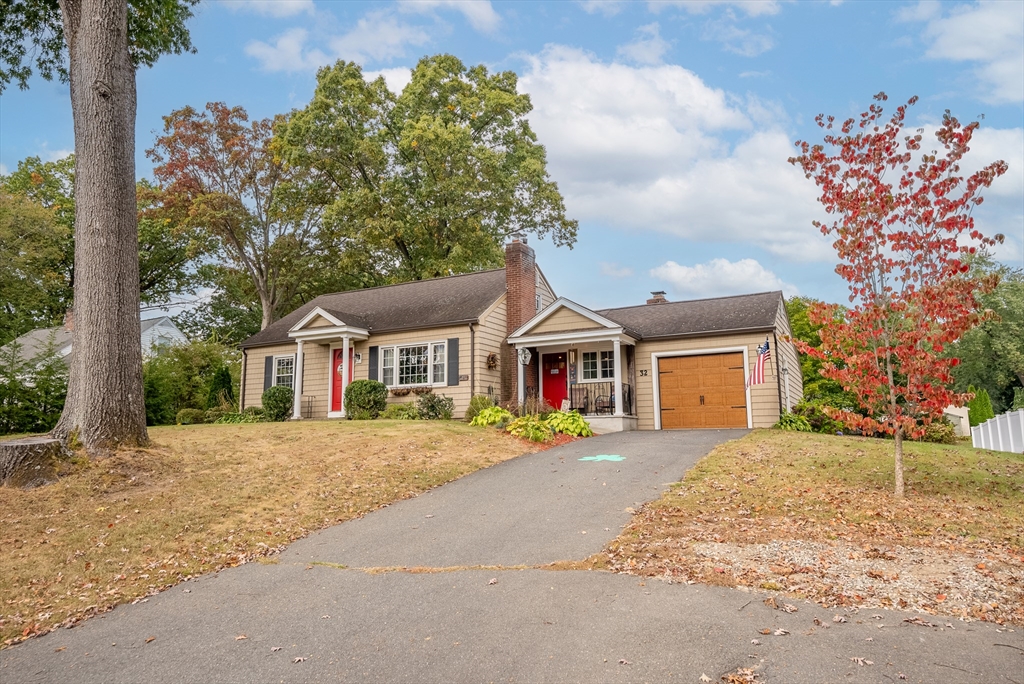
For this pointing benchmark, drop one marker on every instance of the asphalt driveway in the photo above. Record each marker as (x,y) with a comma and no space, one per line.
(329,611)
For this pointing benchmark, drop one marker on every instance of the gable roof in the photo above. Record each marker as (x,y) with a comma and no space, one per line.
(406,306)
(564,303)
(35,341)
(699,316)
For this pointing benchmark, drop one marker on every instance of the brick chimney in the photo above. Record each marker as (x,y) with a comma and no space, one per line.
(69,319)
(657,298)
(521,306)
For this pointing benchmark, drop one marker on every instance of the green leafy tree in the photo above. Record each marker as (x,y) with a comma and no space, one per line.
(182,375)
(32,391)
(96,45)
(429,182)
(992,355)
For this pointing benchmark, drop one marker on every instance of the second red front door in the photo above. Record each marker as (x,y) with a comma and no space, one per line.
(555,382)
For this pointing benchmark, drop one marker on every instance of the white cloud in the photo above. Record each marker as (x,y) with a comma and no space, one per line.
(989,34)
(3,170)
(479,13)
(608,8)
(755,74)
(396,78)
(378,36)
(646,149)
(612,270)
(752,8)
(648,48)
(271,8)
(734,39)
(55,155)
(721,277)
(288,53)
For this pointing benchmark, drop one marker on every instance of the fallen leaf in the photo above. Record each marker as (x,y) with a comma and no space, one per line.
(58,650)
(148,639)
(299,660)
(704,677)
(755,642)
(916,620)
(781,632)
(494,580)
(839,618)
(861,661)
(625,662)
(789,608)
(240,637)
(325,617)
(765,631)
(940,597)
(275,648)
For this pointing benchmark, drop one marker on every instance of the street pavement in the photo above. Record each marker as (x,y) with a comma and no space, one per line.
(334,608)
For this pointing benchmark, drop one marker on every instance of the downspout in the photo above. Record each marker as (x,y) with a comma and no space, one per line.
(241,382)
(472,361)
(778,372)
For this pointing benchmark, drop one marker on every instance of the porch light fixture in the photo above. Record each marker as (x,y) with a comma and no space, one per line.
(572,356)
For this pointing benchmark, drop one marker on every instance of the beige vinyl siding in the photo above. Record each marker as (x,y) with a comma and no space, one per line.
(318,322)
(316,362)
(460,393)
(490,337)
(254,370)
(564,319)
(791,357)
(764,398)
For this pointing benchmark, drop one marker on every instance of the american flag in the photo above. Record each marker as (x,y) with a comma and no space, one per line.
(764,353)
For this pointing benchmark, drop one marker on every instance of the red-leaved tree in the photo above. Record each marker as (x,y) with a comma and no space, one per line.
(902,228)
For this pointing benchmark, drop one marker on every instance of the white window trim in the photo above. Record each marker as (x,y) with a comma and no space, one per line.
(599,378)
(656,386)
(430,363)
(284,356)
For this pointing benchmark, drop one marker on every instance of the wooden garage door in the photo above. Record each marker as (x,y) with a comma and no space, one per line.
(704,391)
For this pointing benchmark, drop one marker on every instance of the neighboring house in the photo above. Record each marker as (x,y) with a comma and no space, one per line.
(675,365)
(156,333)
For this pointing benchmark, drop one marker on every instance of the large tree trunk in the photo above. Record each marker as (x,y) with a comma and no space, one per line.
(105,402)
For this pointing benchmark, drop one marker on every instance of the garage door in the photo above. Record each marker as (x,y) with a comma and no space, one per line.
(704,391)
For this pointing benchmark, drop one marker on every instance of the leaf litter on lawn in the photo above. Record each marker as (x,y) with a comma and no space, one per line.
(813,517)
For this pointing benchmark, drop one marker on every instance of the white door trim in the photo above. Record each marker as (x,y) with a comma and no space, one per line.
(655,356)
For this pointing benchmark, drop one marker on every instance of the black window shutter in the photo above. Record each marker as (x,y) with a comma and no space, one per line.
(453,361)
(268,372)
(373,363)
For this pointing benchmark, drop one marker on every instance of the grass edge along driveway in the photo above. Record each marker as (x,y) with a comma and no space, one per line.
(206,497)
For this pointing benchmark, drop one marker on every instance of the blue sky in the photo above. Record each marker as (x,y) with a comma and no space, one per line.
(667,124)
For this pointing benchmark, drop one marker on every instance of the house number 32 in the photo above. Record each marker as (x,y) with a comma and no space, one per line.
(643,373)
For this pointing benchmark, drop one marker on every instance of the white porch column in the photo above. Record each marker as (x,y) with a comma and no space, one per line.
(619,398)
(521,385)
(344,371)
(297,384)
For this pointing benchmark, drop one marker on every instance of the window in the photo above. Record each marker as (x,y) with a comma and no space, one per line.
(284,371)
(538,301)
(607,364)
(590,365)
(417,364)
(387,364)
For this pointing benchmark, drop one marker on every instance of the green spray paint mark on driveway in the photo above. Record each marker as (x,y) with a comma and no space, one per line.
(604,457)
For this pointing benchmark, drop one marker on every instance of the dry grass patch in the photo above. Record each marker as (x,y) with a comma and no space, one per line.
(206,497)
(814,516)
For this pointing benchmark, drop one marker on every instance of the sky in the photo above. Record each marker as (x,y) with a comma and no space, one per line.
(667,124)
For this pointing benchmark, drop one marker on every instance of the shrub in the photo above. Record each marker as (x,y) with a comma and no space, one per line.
(817,418)
(980,407)
(365,399)
(277,403)
(188,416)
(794,423)
(254,412)
(1018,399)
(212,415)
(940,432)
(403,411)
(530,427)
(571,423)
(494,415)
(222,389)
(183,375)
(435,407)
(477,404)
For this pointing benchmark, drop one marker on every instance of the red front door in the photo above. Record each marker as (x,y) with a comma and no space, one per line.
(556,374)
(337,366)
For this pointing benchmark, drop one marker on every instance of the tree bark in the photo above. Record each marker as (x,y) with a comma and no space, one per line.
(898,438)
(105,405)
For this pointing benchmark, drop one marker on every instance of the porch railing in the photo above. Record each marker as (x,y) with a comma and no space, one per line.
(598,398)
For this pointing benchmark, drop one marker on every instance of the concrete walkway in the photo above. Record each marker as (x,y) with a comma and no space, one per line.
(306,619)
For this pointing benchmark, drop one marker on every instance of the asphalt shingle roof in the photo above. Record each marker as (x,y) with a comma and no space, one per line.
(413,305)
(35,341)
(699,316)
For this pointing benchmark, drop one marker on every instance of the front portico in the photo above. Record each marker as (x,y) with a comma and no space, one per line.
(327,329)
(585,361)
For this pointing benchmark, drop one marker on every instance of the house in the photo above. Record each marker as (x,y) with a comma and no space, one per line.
(504,333)
(157,332)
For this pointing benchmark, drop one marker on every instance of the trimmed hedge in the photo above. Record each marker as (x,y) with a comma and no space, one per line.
(277,403)
(365,399)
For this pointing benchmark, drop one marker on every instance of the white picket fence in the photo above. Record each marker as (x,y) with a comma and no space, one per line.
(1002,433)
